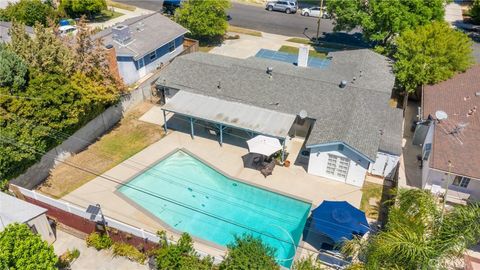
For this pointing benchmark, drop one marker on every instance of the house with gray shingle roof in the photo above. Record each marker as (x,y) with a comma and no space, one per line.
(349,128)
(143,44)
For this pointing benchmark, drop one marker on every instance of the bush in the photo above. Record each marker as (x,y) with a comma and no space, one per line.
(99,241)
(28,12)
(474,12)
(67,258)
(129,251)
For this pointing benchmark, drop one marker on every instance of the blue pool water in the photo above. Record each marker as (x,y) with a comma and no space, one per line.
(192,197)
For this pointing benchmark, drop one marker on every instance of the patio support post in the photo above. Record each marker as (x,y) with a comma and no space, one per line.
(221,135)
(191,128)
(165,121)
(283,149)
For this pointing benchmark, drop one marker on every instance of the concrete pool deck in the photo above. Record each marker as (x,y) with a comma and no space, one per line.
(293,181)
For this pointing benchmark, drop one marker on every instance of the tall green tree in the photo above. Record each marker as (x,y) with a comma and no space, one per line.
(431,53)
(248,252)
(77,8)
(307,263)
(474,11)
(13,70)
(417,235)
(21,249)
(28,12)
(382,20)
(206,20)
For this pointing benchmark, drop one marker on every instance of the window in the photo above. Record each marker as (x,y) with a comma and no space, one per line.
(153,55)
(426,151)
(461,181)
(33,229)
(338,166)
(171,46)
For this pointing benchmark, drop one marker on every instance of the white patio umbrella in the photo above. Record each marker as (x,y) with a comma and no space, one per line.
(264,145)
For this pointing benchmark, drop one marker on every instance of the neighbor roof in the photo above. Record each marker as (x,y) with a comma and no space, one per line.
(15,210)
(356,115)
(5,28)
(149,32)
(457,97)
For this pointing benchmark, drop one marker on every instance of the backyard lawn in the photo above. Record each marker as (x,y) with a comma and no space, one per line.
(294,50)
(372,195)
(129,137)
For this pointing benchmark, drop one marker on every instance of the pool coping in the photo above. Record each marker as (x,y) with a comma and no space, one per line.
(168,227)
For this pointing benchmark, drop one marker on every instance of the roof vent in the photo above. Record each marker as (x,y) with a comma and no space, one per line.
(121,33)
(269,70)
(303,114)
(343,83)
(441,115)
(477,94)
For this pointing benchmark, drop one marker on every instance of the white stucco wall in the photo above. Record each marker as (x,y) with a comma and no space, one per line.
(317,164)
(434,177)
(128,71)
(43,228)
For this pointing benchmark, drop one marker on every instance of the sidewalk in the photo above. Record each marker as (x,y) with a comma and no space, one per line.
(127,15)
(90,258)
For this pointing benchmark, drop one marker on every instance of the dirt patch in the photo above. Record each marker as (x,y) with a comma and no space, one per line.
(127,138)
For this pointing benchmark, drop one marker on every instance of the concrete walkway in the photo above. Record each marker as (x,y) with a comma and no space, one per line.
(127,14)
(248,45)
(90,258)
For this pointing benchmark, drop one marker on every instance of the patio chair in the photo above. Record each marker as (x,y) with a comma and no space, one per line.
(268,168)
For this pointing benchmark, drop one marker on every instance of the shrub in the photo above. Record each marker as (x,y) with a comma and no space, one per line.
(475,12)
(67,258)
(129,251)
(99,241)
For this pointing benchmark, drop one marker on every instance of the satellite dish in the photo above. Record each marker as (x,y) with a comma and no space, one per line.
(303,114)
(441,115)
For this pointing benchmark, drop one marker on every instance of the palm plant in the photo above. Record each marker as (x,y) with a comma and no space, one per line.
(416,237)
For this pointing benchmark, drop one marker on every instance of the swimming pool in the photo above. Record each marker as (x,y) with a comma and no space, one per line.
(192,197)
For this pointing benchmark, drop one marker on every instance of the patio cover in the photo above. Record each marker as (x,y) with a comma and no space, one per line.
(264,145)
(339,220)
(233,114)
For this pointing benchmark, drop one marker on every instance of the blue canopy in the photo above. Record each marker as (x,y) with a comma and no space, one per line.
(339,220)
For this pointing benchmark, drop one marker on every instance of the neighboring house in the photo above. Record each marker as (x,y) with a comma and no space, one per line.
(349,128)
(13,210)
(449,136)
(143,44)
(5,29)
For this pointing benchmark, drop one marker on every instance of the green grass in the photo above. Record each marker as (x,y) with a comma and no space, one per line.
(106,15)
(294,50)
(120,5)
(370,190)
(245,31)
(299,40)
(205,48)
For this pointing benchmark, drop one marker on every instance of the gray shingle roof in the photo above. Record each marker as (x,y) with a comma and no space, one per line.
(15,210)
(355,115)
(148,32)
(5,27)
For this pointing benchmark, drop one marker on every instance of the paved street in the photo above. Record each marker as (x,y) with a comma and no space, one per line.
(256,17)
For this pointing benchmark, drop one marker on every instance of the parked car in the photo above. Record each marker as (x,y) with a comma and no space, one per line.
(315,12)
(67,30)
(284,6)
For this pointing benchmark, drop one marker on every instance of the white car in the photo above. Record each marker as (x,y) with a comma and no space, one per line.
(315,12)
(67,30)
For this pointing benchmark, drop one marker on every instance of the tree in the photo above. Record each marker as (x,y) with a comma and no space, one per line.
(475,11)
(21,249)
(307,263)
(180,256)
(417,236)
(382,20)
(13,70)
(28,12)
(248,252)
(431,53)
(77,8)
(206,20)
